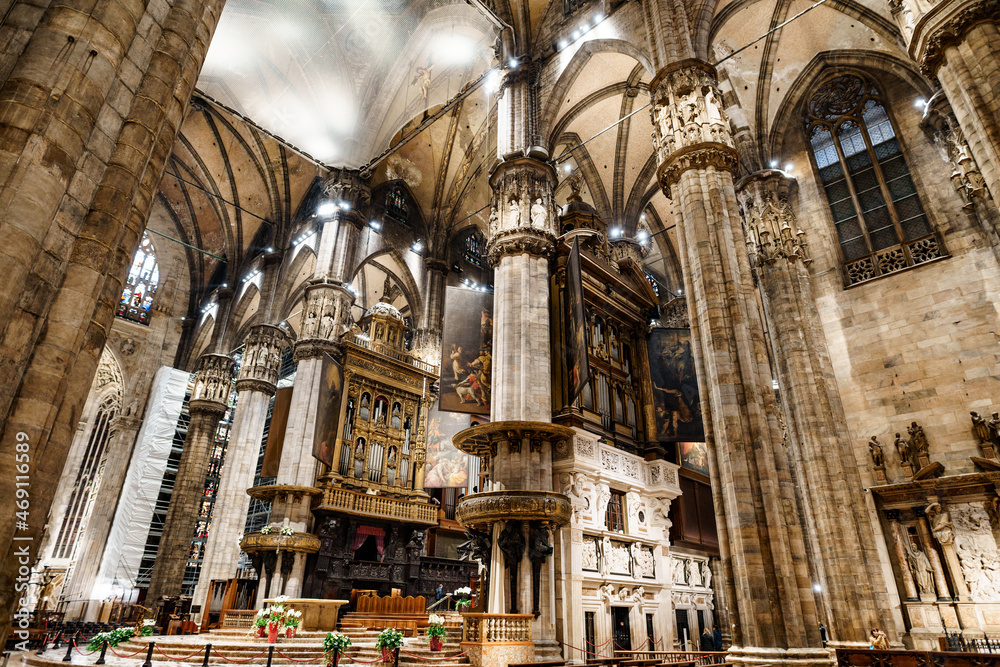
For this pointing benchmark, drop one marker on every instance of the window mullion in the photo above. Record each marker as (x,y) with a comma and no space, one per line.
(849,181)
(884,187)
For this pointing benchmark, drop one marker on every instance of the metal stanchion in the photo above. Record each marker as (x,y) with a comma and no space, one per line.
(104,649)
(208,649)
(69,648)
(270,654)
(41,647)
(55,642)
(149,655)
(395,658)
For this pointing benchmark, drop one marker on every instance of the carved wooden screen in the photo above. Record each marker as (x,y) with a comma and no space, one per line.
(881,224)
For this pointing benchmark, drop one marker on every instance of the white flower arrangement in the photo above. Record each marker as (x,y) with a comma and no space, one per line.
(266,530)
(464,590)
(280,599)
(435,619)
(287,531)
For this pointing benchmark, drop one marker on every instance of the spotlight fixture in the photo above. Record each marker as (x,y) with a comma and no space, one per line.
(375,224)
(920,103)
(326,208)
(417,247)
(513,63)
(789,168)
(774,164)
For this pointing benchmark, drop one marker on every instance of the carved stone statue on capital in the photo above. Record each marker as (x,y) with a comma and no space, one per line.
(980,428)
(941,525)
(514,217)
(539,216)
(920,566)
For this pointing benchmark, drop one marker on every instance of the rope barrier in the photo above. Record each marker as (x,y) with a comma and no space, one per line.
(238,662)
(364,662)
(112,649)
(81,652)
(597,645)
(168,657)
(444,657)
(321,656)
(585,651)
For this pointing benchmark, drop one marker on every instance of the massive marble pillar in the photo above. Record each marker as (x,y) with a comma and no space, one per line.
(255,385)
(846,567)
(427,337)
(518,444)
(209,400)
(120,74)
(774,611)
(958,43)
(326,317)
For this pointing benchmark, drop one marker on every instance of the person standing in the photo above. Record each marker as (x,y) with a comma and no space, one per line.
(717,638)
(823,634)
(707,641)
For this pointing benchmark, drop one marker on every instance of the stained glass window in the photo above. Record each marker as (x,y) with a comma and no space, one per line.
(136,303)
(880,222)
(395,204)
(475,248)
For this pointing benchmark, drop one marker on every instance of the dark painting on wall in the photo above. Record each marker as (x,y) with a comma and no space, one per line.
(328,415)
(675,386)
(446,465)
(577,359)
(694,456)
(467,351)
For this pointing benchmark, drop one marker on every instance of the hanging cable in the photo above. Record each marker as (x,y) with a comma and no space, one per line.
(186,245)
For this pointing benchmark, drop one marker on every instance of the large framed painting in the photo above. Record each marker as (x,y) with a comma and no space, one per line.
(328,416)
(446,465)
(675,386)
(467,352)
(577,359)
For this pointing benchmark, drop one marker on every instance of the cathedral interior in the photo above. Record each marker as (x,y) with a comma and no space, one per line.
(648,321)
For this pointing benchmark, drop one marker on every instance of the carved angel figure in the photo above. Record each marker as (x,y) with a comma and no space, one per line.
(514,217)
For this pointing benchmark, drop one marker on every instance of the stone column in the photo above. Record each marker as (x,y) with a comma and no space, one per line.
(522,236)
(924,531)
(255,385)
(88,555)
(845,558)
(775,612)
(100,70)
(427,338)
(209,400)
(721,611)
(326,317)
(958,43)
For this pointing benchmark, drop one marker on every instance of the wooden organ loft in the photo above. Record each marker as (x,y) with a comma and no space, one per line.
(372,513)
(618,300)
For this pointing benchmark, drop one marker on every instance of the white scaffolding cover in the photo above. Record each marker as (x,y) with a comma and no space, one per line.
(130,528)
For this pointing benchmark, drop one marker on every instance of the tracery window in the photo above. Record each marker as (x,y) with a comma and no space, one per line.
(881,224)
(87,479)
(475,248)
(644,235)
(140,286)
(395,204)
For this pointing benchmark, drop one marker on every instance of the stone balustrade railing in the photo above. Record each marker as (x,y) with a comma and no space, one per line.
(496,628)
(393,353)
(366,504)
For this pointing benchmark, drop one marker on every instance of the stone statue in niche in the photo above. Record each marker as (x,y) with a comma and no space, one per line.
(538,215)
(589,555)
(994,426)
(980,428)
(514,216)
(713,107)
(920,566)
(494,224)
(707,578)
(694,573)
(680,572)
(875,449)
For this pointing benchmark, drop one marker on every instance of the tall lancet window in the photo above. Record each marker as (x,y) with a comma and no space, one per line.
(136,303)
(87,479)
(881,224)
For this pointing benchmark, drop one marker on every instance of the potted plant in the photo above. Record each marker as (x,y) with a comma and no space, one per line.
(292,620)
(266,530)
(274,619)
(389,640)
(259,624)
(462,597)
(333,646)
(435,631)
(147,627)
(112,638)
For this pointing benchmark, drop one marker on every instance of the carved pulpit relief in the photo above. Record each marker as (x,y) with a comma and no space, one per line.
(975,543)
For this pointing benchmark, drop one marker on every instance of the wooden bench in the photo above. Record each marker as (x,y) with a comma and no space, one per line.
(546,663)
